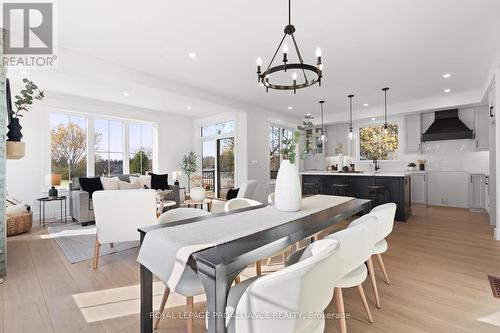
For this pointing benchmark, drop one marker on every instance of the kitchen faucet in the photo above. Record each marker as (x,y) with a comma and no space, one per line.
(377,165)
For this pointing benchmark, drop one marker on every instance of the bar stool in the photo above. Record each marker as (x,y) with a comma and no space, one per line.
(375,191)
(311,188)
(340,189)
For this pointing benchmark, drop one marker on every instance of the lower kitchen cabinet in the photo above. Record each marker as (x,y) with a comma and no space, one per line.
(419,188)
(477,183)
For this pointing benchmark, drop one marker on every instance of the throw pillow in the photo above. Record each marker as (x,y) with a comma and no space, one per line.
(128,186)
(110,183)
(232,193)
(159,182)
(142,180)
(90,185)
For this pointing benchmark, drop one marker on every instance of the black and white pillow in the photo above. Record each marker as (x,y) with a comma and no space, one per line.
(159,182)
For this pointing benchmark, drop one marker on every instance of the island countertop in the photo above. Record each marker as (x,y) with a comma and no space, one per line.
(369,174)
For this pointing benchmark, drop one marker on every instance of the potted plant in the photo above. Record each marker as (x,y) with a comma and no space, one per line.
(197,193)
(411,166)
(189,164)
(23,102)
(288,191)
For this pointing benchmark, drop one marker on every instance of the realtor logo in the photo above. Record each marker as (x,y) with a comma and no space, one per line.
(28,30)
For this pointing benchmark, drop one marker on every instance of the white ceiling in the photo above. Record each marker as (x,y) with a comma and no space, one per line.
(404,44)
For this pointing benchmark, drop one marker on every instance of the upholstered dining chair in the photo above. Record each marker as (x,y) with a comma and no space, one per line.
(355,247)
(189,284)
(247,190)
(300,288)
(270,198)
(118,214)
(239,203)
(385,214)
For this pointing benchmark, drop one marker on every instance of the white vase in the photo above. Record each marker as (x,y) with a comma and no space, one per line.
(411,168)
(197,194)
(288,193)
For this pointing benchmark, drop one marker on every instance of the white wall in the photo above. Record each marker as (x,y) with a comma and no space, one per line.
(25,177)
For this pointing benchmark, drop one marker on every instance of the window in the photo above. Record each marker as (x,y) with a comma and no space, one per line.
(276,137)
(376,144)
(108,142)
(140,148)
(218,129)
(68,146)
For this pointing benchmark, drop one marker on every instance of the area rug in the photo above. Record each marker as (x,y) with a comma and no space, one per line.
(77,242)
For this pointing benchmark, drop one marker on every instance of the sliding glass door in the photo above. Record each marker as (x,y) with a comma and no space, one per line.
(217,165)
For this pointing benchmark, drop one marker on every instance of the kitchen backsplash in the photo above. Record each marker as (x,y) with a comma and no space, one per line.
(458,155)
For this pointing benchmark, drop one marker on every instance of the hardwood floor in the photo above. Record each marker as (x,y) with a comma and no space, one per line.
(437,263)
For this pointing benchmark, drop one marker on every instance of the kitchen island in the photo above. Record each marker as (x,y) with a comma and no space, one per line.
(391,186)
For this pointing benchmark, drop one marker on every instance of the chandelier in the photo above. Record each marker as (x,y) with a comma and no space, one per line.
(265,78)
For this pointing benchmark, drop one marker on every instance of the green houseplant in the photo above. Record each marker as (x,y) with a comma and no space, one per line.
(189,164)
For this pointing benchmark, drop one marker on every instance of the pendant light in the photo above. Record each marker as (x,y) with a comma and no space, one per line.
(351,134)
(323,134)
(386,125)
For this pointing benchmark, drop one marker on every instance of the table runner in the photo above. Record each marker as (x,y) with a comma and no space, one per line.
(166,251)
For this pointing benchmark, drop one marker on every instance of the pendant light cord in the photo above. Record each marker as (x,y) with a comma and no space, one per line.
(289,12)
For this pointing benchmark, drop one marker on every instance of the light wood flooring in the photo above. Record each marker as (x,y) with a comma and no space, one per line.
(437,262)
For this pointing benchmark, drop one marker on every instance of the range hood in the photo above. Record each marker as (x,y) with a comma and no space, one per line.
(447,126)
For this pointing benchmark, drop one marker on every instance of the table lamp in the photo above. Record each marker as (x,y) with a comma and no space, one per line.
(176,175)
(53,180)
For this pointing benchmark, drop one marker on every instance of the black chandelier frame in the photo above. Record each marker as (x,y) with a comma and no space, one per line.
(263,77)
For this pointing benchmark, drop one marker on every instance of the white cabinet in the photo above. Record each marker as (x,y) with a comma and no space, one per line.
(413,133)
(419,188)
(482,124)
(448,188)
(476,191)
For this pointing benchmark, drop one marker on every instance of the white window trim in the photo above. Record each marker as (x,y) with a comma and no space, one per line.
(281,127)
(366,123)
(90,140)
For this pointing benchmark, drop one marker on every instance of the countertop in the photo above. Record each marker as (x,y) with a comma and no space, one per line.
(378,174)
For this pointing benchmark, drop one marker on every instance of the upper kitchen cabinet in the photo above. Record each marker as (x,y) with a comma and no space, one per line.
(338,136)
(413,133)
(482,121)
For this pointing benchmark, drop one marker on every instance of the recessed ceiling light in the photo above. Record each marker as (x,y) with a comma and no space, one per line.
(373,119)
(366,104)
(308,114)
(447,90)
(447,75)
(24,72)
(192,55)
(289,108)
(126,94)
(188,107)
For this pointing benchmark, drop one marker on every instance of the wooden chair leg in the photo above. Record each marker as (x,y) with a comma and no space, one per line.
(258,268)
(381,262)
(365,303)
(237,280)
(96,253)
(162,307)
(190,311)
(374,282)
(339,301)
(268,263)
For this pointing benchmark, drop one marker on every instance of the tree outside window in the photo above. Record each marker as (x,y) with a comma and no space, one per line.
(276,137)
(377,144)
(108,142)
(68,146)
(140,148)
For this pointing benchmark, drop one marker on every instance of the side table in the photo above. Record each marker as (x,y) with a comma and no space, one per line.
(41,208)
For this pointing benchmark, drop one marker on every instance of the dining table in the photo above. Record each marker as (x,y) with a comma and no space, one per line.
(220,260)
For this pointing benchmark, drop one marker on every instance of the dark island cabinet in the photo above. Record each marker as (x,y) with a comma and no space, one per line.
(391,189)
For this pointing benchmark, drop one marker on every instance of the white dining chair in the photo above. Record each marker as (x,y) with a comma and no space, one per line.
(355,247)
(118,214)
(385,214)
(247,190)
(270,198)
(239,203)
(189,284)
(300,288)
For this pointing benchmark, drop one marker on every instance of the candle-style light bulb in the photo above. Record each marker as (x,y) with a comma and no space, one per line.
(351,135)
(259,61)
(285,48)
(294,76)
(318,52)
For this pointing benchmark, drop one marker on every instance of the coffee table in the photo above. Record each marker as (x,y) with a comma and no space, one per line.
(206,201)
